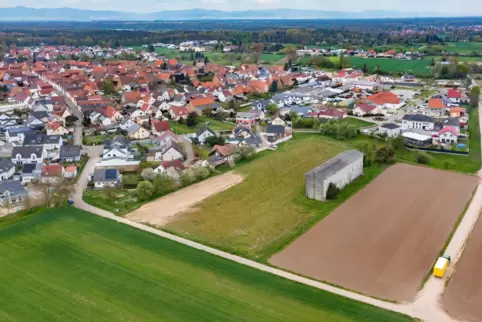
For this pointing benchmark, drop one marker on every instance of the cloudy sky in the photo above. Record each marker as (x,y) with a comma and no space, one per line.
(470,7)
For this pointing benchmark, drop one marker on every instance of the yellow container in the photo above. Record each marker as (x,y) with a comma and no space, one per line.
(440,267)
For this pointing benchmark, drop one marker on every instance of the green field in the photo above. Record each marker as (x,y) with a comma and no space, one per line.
(460,58)
(357,122)
(215,125)
(68,265)
(463,47)
(259,216)
(418,67)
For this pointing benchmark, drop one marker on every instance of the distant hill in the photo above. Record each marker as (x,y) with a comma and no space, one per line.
(21,13)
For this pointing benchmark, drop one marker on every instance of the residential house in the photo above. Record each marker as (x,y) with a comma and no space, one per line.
(126,123)
(17,134)
(104,178)
(159,127)
(111,113)
(437,107)
(55,128)
(454,95)
(417,121)
(70,172)
(171,168)
(52,173)
(366,109)
(70,153)
(245,118)
(169,152)
(34,123)
(278,121)
(12,192)
(386,100)
(49,142)
(137,132)
(28,154)
(448,135)
(178,112)
(118,148)
(7,169)
(457,112)
(203,133)
(452,122)
(275,132)
(31,172)
(225,152)
(391,130)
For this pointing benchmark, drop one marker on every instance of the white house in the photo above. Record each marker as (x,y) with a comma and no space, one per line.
(137,132)
(7,169)
(104,178)
(126,123)
(417,121)
(448,135)
(28,154)
(366,109)
(55,128)
(169,152)
(391,130)
(11,192)
(203,133)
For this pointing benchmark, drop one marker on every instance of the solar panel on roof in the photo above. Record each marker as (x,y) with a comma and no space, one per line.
(110,174)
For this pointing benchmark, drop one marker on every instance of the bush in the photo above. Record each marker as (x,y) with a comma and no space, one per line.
(144,190)
(332,191)
(423,158)
(215,140)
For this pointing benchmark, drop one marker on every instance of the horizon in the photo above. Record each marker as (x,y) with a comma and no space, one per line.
(224,6)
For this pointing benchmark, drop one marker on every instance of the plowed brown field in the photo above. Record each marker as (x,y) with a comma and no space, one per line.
(383,240)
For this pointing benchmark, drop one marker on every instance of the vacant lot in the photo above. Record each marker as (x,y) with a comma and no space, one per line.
(259,216)
(383,241)
(464,292)
(68,265)
(163,210)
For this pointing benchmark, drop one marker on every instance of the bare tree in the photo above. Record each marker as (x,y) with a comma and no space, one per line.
(257,49)
(56,191)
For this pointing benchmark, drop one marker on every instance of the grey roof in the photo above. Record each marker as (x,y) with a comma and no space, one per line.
(40,139)
(118,141)
(106,175)
(418,118)
(204,129)
(15,187)
(29,168)
(15,130)
(335,164)
(133,128)
(276,129)
(390,126)
(301,109)
(39,114)
(253,140)
(70,151)
(451,122)
(27,151)
(5,165)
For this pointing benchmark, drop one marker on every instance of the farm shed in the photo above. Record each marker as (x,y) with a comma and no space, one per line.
(339,170)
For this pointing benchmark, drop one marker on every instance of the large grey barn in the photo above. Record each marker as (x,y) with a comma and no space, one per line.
(341,170)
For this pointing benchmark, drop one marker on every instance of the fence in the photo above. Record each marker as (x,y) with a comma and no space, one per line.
(465,153)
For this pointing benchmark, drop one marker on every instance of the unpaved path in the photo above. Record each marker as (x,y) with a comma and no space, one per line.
(163,210)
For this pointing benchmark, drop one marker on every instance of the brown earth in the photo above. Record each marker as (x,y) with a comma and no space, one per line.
(383,240)
(463,296)
(163,210)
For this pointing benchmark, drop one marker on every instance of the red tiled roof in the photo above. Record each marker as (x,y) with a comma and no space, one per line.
(161,126)
(225,150)
(176,164)
(54,125)
(449,129)
(384,98)
(365,107)
(435,103)
(109,111)
(454,93)
(52,170)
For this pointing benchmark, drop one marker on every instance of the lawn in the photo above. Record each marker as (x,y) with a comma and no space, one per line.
(66,264)
(97,139)
(120,202)
(357,122)
(261,215)
(459,58)
(463,47)
(215,125)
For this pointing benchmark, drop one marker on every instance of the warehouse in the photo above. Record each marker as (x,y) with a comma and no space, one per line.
(340,170)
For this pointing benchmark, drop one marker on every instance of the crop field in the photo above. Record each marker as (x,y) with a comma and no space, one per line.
(384,240)
(420,67)
(467,59)
(463,47)
(260,215)
(69,265)
(462,296)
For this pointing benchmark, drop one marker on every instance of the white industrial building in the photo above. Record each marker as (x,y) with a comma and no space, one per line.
(340,170)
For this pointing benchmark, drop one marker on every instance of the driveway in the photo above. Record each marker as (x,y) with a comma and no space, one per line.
(188,149)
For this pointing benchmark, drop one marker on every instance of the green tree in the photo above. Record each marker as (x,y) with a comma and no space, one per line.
(215,140)
(191,119)
(163,184)
(273,88)
(332,191)
(272,108)
(144,190)
(150,48)
(108,87)
(474,96)
(423,157)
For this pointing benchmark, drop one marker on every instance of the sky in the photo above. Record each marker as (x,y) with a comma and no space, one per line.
(459,7)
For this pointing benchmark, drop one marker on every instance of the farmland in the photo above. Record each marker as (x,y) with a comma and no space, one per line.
(383,240)
(66,264)
(259,216)
(418,67)
(462,296)
(463,47)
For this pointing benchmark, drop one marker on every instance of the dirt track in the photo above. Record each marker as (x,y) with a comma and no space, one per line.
(162,210)
(463,297)
(383,240)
